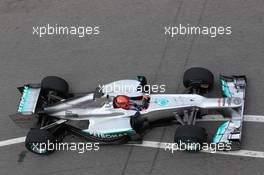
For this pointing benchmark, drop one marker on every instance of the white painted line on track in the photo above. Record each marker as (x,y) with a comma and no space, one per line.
(12,141)
(161,145)
(254,118)
(247,118)
(241,153)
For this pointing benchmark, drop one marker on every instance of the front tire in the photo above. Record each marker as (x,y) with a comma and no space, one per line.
(190,138)
(198,78)
(39,141)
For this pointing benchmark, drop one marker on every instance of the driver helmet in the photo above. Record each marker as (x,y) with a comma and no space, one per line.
(121,101)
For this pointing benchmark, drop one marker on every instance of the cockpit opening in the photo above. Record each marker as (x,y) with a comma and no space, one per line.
(131,103)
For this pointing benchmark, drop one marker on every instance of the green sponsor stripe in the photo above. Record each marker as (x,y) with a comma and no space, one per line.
(225,89)
(220,132)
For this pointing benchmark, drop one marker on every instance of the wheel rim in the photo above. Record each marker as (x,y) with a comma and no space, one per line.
(191,145)
(38,148)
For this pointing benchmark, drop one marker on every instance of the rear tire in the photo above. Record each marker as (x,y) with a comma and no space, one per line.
(198,77)
(190,138)
(37,141)
(57,84)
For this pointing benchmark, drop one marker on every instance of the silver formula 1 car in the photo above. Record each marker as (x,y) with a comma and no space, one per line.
(52,112)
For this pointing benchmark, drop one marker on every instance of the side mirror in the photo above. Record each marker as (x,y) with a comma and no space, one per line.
(142,80)
(98,93)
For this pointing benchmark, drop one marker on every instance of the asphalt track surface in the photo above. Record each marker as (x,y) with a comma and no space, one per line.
(131,43)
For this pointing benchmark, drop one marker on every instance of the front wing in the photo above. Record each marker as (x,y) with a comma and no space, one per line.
(230,132)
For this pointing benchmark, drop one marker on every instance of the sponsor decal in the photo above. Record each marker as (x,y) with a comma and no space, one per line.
(225,89)
(109,135)
(161,101)
(237,101)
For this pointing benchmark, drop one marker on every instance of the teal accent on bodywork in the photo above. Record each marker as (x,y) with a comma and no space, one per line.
(225,89)
(22,105)
(161,101)
(220,132)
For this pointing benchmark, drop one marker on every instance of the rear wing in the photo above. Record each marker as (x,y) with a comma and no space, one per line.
(230,132)
(29,99)
(28,104)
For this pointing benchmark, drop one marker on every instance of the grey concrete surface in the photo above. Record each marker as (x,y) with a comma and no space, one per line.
(131,42)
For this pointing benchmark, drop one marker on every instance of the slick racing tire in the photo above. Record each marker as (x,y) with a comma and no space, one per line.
(40,141)
(198,77)
(56,84)
(190,138)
